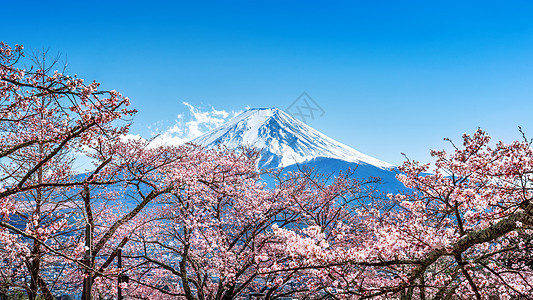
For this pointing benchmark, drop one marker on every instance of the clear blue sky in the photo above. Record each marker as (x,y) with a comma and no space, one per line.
(391,76)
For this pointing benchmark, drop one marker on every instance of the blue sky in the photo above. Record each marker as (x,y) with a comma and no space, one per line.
(391,76)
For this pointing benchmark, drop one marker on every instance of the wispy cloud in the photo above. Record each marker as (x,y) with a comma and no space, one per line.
(186,128)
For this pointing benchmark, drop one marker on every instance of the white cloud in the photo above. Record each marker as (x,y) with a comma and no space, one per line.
(198,123)
(184,130)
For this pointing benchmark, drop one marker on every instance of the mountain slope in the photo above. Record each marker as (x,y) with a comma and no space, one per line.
(283,139)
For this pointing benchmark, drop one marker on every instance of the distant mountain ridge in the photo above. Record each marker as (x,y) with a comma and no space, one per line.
(284,140)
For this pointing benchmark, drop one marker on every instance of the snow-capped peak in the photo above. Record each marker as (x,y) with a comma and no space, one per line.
(283,139)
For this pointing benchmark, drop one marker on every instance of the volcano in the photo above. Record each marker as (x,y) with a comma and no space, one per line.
(286,142)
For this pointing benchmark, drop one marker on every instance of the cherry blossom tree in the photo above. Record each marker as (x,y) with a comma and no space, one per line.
(463,232)
(46,118)
(210,237)
(113,212)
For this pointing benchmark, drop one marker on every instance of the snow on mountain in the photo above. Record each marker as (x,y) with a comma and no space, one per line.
(283,140)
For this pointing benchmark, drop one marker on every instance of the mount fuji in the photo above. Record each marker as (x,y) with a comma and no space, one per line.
(289,143)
